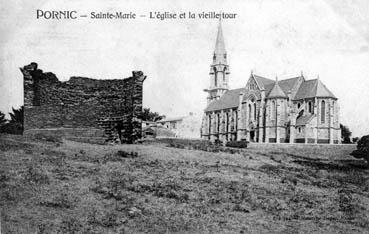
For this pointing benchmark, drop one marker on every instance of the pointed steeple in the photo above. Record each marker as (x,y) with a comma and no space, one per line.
(219,69)
(220,54)
(219,44)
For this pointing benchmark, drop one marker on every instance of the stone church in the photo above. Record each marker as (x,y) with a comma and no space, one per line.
(294,110)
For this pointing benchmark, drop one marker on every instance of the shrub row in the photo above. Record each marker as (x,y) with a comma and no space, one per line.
(237,144)
(205,145)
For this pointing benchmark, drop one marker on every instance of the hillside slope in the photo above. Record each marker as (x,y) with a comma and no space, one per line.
(52,186)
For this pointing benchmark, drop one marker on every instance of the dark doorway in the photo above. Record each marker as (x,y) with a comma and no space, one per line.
(252,135)
(119,128)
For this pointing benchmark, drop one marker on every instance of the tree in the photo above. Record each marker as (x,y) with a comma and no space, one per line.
(346,134)
(2,119)
(362,149)
(17,115)
(15,124)
(147,115)
(355,139)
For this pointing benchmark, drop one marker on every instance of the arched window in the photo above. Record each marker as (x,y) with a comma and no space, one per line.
(227,121)
(310,107)
(215,77)
(255,111)
(209,123)
(322,112)
(273,110)
(249,112)
(224,74)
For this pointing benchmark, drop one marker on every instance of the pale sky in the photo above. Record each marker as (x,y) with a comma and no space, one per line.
(273,37)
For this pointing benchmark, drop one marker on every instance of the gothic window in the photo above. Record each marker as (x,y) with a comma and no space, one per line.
(249,112)
(227,121)
(215,77)
(224,74)
(310,107)
(255,111)
(236,122)
(273,110)
(209,124)
(322,112)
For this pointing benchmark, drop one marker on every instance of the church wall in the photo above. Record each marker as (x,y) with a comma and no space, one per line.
(310,133)
(300,134)
(282,134)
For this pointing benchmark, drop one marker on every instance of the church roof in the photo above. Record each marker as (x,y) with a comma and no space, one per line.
(304,119)
(286,85)
(277,92)
(313,88)
(307,89)
(262,81)
(230,99)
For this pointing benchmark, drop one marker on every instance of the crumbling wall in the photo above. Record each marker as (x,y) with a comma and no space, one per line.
(83,103)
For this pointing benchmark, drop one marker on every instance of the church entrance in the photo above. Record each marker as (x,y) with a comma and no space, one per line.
(252,135)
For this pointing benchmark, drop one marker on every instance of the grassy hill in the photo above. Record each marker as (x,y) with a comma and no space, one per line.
(54,186)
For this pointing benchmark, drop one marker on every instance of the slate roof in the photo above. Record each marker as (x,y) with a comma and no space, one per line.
(230,99)
(277,92)
(308,89)
(262,81)
(304,119)
(286,85)
(313,88)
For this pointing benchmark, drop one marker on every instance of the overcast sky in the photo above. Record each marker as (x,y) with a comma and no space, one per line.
(272,37)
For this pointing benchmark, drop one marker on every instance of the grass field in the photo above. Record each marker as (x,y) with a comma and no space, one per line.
(52,186)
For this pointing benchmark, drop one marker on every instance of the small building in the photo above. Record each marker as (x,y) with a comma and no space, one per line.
(183,126)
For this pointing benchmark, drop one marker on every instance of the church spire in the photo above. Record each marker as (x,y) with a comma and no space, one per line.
(220,54)
(219,69)
(219,44)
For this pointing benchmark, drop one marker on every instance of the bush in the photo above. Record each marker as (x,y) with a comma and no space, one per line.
(12,128)
(237,144)
(362,149)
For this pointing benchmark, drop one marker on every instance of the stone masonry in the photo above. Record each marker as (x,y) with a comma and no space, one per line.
(107,108)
